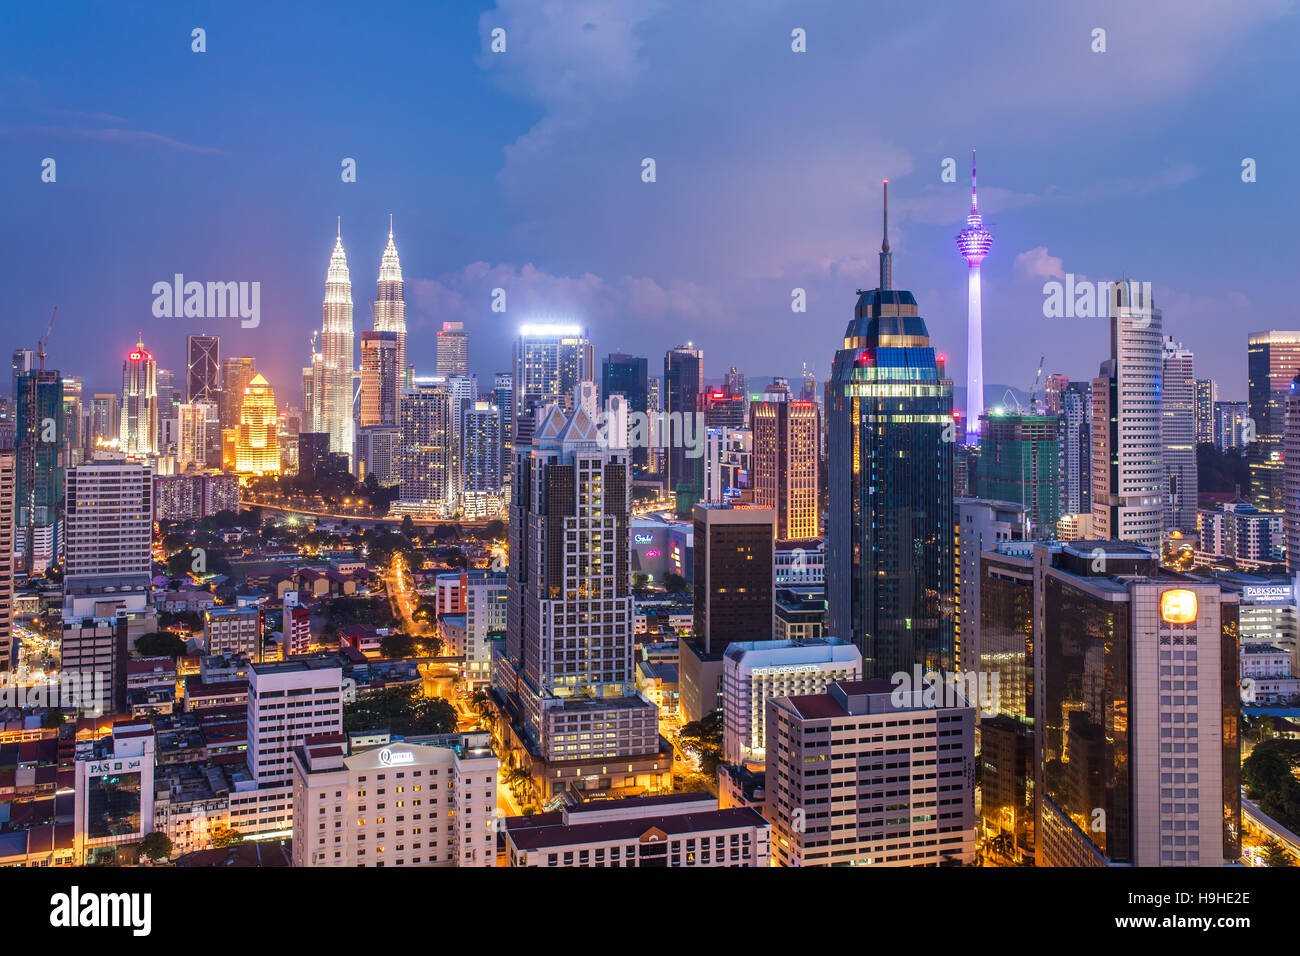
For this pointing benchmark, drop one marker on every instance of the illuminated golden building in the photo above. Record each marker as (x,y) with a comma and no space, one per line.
(258,444)
(785,463)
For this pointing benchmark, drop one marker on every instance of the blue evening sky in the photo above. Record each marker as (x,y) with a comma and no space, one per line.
(522,170)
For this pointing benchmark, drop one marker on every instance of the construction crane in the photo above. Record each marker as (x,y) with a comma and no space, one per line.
(1033,389)
(41,342)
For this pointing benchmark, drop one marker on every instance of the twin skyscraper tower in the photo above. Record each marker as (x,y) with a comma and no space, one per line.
(328,383)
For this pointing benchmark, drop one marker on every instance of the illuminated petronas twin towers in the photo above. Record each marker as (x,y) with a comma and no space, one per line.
(334,367)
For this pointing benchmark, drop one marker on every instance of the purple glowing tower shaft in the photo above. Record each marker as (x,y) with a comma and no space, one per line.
(974,243)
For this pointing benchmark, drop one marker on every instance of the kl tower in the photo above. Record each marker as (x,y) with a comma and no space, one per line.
(974,243)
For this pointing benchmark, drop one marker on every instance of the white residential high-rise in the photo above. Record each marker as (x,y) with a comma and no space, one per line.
(335,415)
(1128,475)
(1178,435)
(390,305)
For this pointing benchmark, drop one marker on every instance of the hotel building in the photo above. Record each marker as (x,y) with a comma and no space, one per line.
(422,801)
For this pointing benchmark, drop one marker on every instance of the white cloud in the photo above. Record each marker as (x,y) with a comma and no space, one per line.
(1037,264)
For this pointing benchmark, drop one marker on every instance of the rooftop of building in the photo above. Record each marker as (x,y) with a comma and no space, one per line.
(313,662)
(252,853)
(859,698)
(1257,648)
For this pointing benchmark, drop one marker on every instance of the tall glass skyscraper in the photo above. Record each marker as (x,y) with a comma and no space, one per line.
(628,375)
(39,482)
(683,385)
(889,442)
(1272,361)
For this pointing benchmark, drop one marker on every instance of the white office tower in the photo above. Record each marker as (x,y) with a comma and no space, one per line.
(754,672)
(107,568)
(390,305)
(903,789)
(422,801)
(1178,434)
(1128,474)
(288,702)
(566,668)
(335,413)
(108,531)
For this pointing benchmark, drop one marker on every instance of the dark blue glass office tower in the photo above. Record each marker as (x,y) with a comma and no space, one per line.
(889,444)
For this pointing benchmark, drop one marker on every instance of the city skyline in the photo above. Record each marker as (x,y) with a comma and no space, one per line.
(668,500)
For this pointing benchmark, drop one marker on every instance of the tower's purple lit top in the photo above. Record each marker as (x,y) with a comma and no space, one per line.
(974,242)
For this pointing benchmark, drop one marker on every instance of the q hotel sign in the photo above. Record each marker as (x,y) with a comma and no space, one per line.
(395,758)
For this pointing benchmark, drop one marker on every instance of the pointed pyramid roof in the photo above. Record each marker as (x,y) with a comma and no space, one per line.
(390,267)
(552,422)
(580,428)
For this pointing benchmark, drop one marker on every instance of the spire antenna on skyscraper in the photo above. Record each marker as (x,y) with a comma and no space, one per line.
(886,258)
